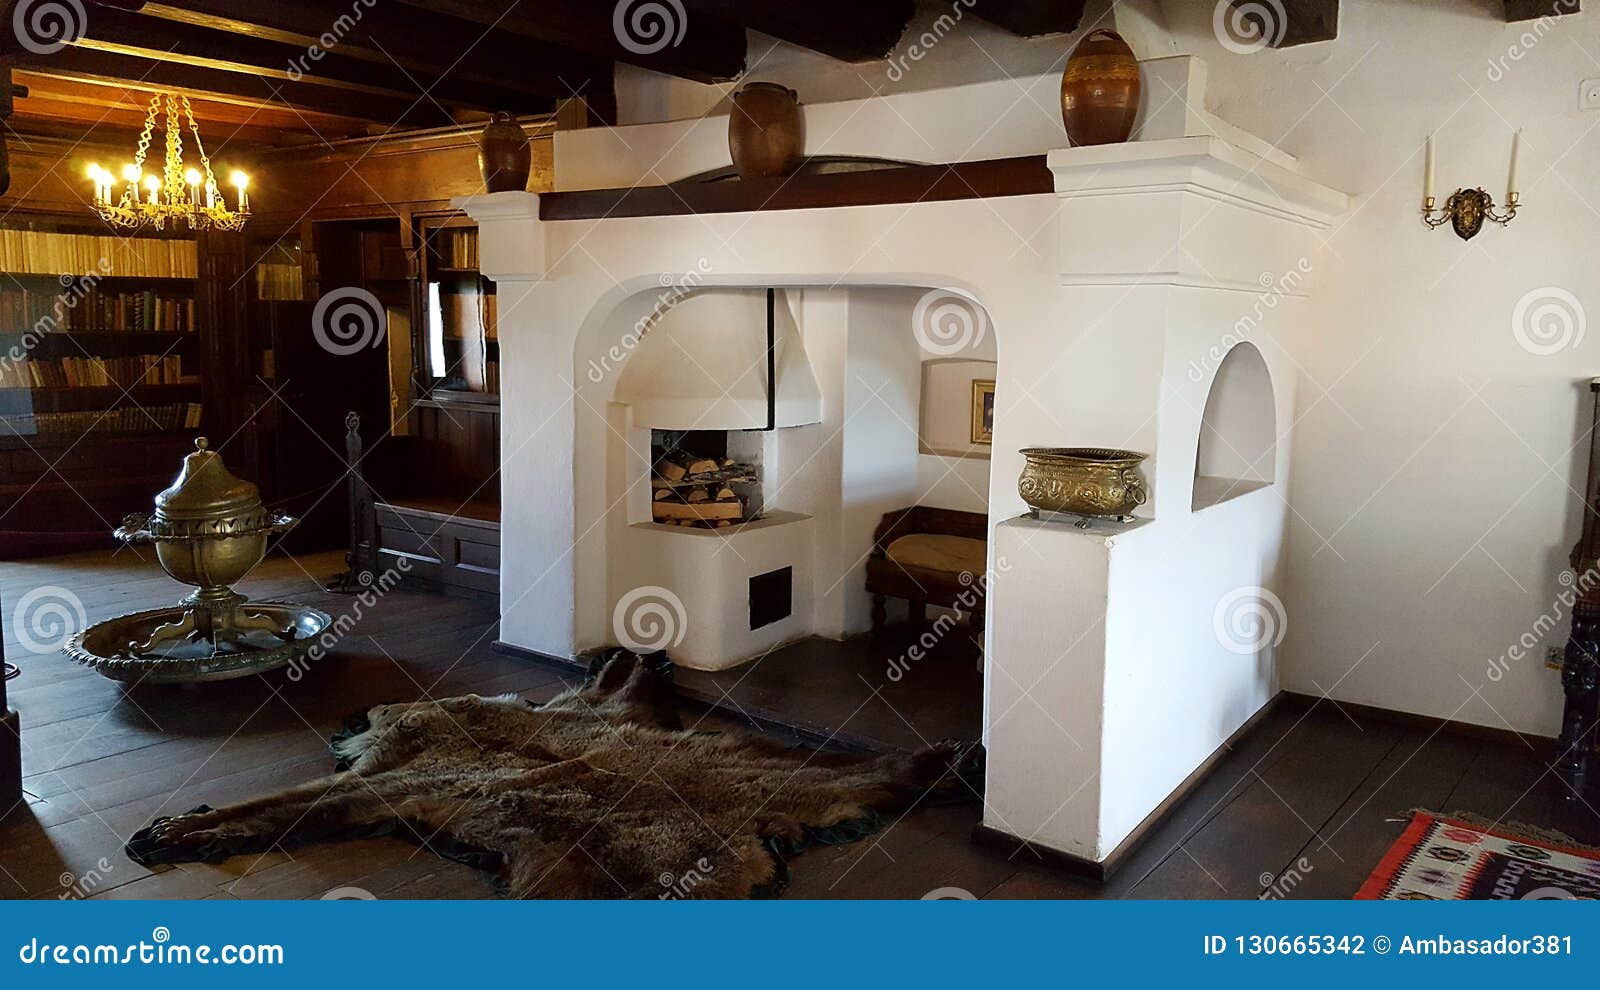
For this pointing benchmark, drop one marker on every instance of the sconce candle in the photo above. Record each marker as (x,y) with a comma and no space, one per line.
(1511,179)
(1427,173)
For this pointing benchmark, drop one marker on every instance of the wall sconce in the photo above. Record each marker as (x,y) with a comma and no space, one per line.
(1466,209)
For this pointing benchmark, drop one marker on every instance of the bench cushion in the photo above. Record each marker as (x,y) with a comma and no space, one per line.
(939,552)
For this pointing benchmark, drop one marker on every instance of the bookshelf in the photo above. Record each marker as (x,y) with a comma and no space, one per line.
(458,346)
(101,382)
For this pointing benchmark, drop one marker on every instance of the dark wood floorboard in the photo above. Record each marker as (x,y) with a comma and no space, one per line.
(1303,806)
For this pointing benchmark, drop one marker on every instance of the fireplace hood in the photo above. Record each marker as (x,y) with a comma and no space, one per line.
(704,362)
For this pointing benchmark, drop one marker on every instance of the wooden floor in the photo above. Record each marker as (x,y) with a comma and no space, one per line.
(1314,796)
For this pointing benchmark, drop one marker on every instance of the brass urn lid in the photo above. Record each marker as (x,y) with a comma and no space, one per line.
(206,489)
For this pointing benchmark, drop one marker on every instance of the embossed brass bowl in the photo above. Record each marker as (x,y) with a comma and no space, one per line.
(1085,481)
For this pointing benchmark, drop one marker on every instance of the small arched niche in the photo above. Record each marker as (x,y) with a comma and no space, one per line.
(1239,431)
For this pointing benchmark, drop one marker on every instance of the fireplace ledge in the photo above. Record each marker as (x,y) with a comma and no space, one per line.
(769,521)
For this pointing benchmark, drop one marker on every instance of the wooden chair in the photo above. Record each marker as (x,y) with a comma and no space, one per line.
(921,586)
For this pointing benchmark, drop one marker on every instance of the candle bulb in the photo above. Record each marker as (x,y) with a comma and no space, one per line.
(1427,171)
(1511,179)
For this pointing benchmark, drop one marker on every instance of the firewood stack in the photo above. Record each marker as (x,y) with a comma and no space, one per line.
(703,492)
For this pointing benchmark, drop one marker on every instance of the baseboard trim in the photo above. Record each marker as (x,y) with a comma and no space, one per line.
(1429,723)
(770,721)
(1103,870)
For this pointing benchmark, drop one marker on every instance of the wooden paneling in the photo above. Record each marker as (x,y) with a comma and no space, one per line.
(384,176)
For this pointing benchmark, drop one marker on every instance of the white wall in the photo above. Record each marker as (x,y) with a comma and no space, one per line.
(1437,488)
(1416,395)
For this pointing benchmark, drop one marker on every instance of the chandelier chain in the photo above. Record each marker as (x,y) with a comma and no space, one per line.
(178,194)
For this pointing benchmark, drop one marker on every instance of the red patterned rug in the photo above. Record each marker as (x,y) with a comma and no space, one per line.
(1460,858)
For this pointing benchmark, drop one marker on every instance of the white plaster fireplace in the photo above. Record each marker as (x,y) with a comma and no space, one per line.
(1107,683)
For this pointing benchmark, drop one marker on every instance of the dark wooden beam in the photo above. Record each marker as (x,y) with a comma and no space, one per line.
(1304,21)
(1031,18)
(847,30)
(1530,10)
(115,69)
(425,44)
(1025,176)
(702,48)
(292,65)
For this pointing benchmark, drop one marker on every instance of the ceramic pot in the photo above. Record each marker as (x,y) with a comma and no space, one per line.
(1100,90)
(766,133)
(504,156)
(1085,481)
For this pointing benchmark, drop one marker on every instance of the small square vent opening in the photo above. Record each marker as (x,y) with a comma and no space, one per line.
(771,597)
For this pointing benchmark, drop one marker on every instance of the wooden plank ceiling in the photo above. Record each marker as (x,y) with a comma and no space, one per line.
(276,72)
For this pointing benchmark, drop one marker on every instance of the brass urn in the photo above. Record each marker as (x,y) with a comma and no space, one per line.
(209,529)
(1084,481)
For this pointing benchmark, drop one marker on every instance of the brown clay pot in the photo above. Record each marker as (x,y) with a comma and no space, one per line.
(504,156)
(1100,90)
(766,132)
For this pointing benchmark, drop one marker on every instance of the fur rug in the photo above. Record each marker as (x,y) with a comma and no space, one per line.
(598,793)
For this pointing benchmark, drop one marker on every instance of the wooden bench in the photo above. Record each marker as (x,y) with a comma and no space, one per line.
(922,586)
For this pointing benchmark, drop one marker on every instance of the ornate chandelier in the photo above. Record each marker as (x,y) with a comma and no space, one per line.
(178,194)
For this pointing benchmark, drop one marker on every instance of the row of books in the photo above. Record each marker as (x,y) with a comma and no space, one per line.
(80,372)
(50,253)
(277,280)
(458,248)
(124,419)
(95,309)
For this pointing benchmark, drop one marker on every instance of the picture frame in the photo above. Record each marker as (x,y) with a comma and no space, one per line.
(982,411)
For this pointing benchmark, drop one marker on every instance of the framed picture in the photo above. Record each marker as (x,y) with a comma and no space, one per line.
(982,411)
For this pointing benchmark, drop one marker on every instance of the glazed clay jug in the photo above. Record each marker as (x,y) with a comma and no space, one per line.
(504,156)
(766,133)
(1100,90)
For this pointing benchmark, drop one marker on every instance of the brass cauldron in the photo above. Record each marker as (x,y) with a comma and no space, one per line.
(209,530)
(1085,481)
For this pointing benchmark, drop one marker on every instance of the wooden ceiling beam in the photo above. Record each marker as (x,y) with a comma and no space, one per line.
(702,48)
(290,65)
(116,69)
(847,30)
(1304,21)
(1532,10)
(418,41)
(1031,18)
